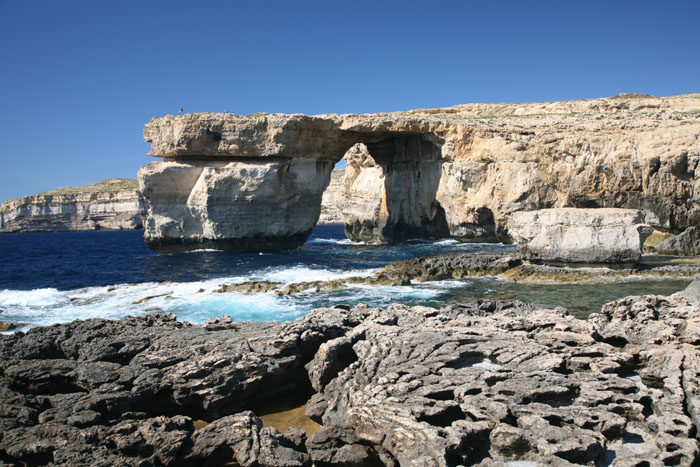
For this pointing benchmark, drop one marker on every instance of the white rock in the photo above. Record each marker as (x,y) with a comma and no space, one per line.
(605,235)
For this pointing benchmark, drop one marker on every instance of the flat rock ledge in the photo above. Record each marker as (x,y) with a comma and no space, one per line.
(487,383)
(463,265)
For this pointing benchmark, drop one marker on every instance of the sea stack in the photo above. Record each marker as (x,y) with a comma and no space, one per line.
(256,182)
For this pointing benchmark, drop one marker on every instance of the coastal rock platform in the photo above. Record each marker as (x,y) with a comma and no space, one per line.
(484,383)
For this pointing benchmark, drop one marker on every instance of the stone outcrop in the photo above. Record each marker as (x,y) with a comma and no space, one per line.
(390,195)
(475,384)
(111,204)
(459,171)
(573,235)
(464,265)
(232,205)
(684,244)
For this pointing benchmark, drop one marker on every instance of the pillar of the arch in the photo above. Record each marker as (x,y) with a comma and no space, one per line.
(255,205)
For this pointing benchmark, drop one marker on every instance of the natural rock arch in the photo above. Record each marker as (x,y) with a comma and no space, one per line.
(203,195)
(256,182)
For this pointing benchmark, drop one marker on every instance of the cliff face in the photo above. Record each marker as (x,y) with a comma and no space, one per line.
(456,171)
(232,205)
(331,202)
(111,204)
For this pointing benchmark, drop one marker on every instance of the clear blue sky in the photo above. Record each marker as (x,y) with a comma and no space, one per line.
(79,79)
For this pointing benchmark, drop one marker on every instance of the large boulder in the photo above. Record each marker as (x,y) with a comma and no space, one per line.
(580,235)
(685,244)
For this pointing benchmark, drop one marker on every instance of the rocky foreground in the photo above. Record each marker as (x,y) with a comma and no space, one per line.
(486,383)
(112,204)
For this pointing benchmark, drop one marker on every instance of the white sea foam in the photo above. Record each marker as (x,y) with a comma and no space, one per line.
(191,301)
(344,241)
(203,250)
(32,298)
(301,273)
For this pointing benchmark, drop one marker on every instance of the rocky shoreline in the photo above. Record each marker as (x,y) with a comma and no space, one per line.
(483,383)
(511,267)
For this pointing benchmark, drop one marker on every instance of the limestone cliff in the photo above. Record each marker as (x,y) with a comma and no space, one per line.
(111,204)
(332,200)
(456,171)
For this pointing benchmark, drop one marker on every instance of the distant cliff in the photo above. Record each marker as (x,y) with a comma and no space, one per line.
(332,198)
(111,204)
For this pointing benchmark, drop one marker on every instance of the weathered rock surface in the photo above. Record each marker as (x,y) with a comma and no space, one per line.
(103,392)
(580,235)
(492,382)
(391,196)
(112,204)
(684,244)
(478,384)
(332,199)
(467,168)
(232,205)
(460,266)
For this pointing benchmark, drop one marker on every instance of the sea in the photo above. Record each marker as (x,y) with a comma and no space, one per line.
(48,278)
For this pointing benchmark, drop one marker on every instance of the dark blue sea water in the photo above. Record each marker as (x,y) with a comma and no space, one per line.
(57,277)
(71,260)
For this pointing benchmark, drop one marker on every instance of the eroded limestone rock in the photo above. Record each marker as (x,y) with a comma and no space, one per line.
(489,383)
(580,235)
(684,244)
(112,204)
(461,171)
(236,205)
(476,384)
(390,191)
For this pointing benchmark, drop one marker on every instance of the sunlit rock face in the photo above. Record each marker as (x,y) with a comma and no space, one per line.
(574,235)
(232,205)
(458,171)
(390,194)
(112,204)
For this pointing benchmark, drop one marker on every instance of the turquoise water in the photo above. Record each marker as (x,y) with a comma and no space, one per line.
(58,277)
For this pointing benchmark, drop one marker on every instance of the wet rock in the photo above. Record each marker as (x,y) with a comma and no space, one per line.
(684,244)
(4,326)
(249,287)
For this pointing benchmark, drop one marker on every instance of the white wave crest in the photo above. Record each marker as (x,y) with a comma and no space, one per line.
(305,274)
(33,298)
(344,241)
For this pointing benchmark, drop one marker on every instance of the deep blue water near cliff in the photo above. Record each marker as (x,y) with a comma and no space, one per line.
(58,277)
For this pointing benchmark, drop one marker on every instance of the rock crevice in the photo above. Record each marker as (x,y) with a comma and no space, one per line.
(475,384)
